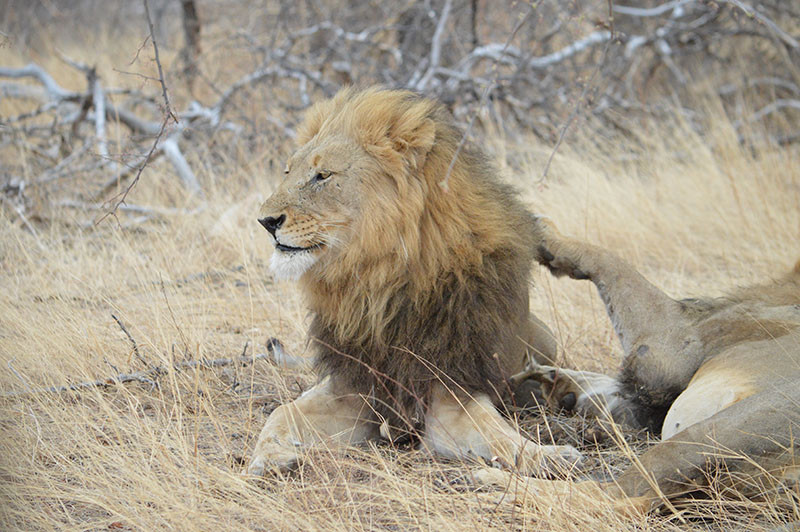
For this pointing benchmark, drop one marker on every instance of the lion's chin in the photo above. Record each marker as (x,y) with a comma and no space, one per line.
(290,265)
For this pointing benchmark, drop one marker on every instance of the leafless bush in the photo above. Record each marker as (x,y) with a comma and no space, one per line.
(539,67)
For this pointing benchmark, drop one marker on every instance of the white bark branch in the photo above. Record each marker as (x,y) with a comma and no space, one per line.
(436,48)
(99,99)
(32,70)
(126,207)
(23,92)
(751,12)
(173,152)
(570,50)
(777,105)
(509,55)
(653,11)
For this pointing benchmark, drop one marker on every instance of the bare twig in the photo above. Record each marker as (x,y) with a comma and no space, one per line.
(13,370)
(774,28)
(147,376)
(582,97)
(168,116)
(436,47)
(147,158)
(164,92)
(133,342)
(444,183)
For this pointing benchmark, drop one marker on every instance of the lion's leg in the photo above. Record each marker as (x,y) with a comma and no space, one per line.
(541,344)
(472,427)
(562,493)
(756,435)
(319,415)
(631,300)
(656,332)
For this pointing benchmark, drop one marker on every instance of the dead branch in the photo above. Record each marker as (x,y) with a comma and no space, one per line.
(570,50)
(99,100)
(436,48)
(148,376)
(130,338)
(33,70)
(161,79)
(126,207)
(774,28)
(173,153)
(448,52)
(653,11)
(168,116)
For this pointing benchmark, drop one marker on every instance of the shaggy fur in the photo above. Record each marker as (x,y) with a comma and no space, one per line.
(419,291)
(433,279)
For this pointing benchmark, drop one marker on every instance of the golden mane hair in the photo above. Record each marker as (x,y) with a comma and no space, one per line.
(432,275)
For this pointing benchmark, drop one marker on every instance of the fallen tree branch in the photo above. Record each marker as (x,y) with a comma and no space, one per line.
(774,28)
(173,152)
(148,376)
(99,101)
(127,207)
(436,48)
(32,70)
(130,338)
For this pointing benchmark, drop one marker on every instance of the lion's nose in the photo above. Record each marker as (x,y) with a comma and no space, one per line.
(272,224)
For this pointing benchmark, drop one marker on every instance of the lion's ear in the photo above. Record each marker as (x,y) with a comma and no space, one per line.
(413,139)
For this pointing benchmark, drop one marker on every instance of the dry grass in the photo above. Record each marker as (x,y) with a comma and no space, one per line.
(696,215)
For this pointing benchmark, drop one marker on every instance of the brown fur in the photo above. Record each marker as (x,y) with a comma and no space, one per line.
(416,289)
(435,277)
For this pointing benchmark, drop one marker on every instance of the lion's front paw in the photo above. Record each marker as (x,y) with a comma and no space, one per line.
(273,457)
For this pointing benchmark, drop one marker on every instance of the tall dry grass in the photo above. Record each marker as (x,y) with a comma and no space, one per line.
(696,213)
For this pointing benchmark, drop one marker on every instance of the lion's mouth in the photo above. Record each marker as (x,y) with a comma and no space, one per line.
(294,249)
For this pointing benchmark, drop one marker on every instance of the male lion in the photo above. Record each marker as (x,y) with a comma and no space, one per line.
(419,292)
(719,379)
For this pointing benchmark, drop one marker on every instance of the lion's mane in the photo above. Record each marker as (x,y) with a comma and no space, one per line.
(434,274)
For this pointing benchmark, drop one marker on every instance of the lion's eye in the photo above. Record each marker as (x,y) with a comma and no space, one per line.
(322,175)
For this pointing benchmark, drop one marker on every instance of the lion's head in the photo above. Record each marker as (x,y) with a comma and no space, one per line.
(405,278)
(361,215)
(347,186)
(363,189)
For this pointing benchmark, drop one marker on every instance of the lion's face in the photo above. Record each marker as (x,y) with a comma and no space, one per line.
(314,212)
(356,188)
